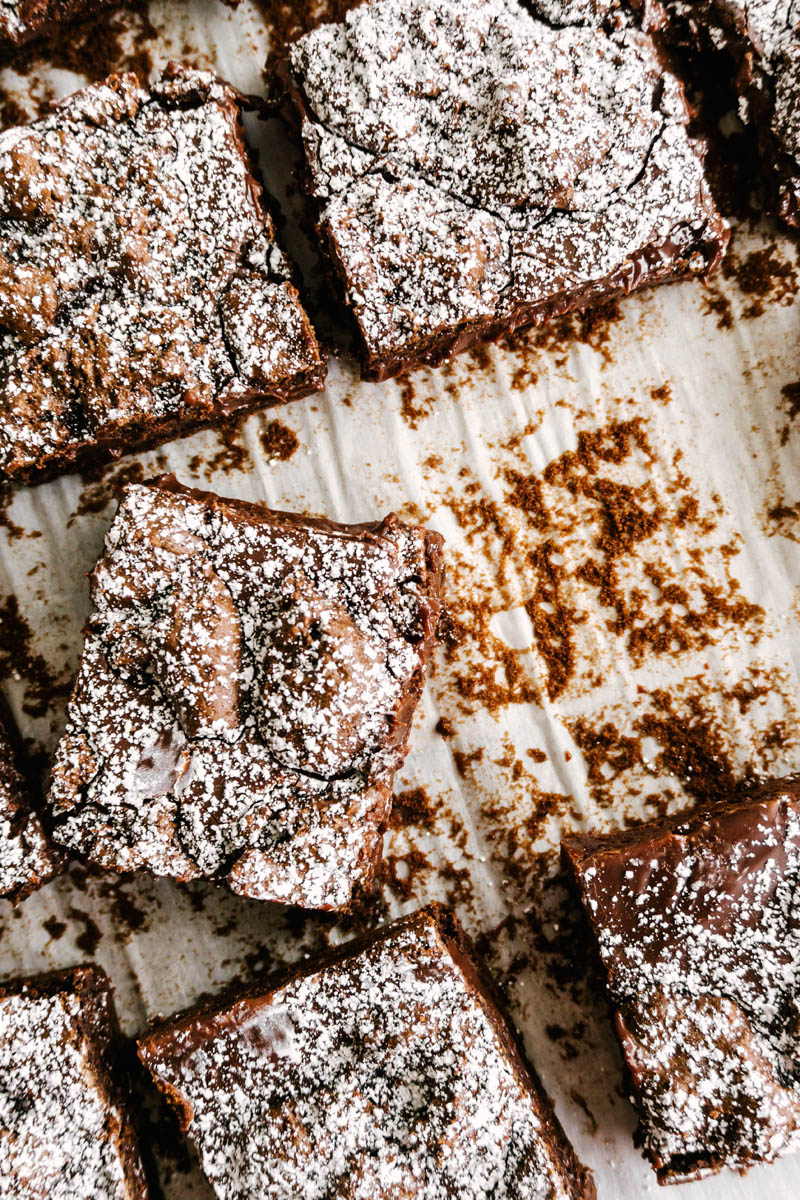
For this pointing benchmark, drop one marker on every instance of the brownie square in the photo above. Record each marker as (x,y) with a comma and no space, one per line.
(387,1070)
(245,694)
(141,290)
(477,169)
(23,20)
(65,1125)
(754,49)
(27,860)
(698,928)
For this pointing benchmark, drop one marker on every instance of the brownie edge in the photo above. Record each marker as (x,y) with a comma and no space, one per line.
(699,936)
(143,293)
(245,694)
(66,1126)
(498,169)
(27,858)
(189,1056)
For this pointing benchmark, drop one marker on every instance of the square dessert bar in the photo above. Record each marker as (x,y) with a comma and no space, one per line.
(27,860)
(477,168)
(245,694)
(387,1070)
(755,47)
(698,927)
(141,291)
(23,20)
(65,1126)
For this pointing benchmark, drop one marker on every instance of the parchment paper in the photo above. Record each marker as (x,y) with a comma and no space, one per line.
(526,728)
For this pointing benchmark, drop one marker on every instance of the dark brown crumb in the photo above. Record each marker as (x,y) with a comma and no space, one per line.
(593,327)
(89,939)
(19,660)
(444,728)
(790,403)
(102,485)
(54,927)
(414,807)
(279,441)
(662,394)
(13,530)
(596,525)
(233,454)
(692,738)
(93,49)
(580,1100)
(763,276)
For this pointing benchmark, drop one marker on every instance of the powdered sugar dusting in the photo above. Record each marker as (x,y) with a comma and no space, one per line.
(700,932)
(244,695)
(26,859)
(471,160)
(141,289)
(57,1127)
(380,1076)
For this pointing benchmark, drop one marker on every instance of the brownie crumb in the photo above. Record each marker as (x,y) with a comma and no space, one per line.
(91,936)
(279,441)
(111,41)
(13,530)
(20,660)
(790,403)
(102,486)
(54,927)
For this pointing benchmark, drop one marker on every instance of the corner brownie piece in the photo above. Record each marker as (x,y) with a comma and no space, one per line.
(245,694)
(477,169)
(698,927)
(23,20)
(65,1125)
(387,1070)
(27,860)
(757,47)
(141,291)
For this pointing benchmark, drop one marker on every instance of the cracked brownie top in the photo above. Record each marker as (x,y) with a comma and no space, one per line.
(476,168)
(64,1128)
(389,1072)
(141,291)
(26,858)
(698,925)
(245,694)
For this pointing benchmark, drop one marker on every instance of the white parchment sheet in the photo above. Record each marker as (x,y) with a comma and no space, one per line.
(677,657)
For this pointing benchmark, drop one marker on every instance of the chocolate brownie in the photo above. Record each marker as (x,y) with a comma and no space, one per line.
(27,860)
(141,291)
(65,1126)
(698,927)
(387,1070)
(477,169)
(245,694)
(753,49)
(23,20)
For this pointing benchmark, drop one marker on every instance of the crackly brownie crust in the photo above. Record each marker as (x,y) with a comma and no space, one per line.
(386,1068)
(245,694)
(697,925)
(477,169)
(23,20)
(756,48)
(141,291)
(27,860)
(65,1124)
